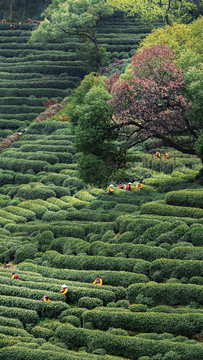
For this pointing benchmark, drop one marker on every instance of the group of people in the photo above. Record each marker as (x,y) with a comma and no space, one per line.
(12,26)
(64,291)
(128,187)
(158,155)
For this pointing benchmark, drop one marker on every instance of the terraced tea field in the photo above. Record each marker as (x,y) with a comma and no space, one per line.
(32,74)
(146,245)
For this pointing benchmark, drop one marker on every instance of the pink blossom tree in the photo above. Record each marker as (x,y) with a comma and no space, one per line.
(147,101)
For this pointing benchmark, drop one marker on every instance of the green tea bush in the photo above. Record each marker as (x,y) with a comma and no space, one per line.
(170,210)
(4,321)
(69,231)
(88,263)
(168,294)
(191,198)
(24,178)
(12,217)
(126,346)
(173,236)
(44,309)
(25,252)
(186,253)
(16,210)
(7,177)
(84,196)
(89,303)
(144,252)
(44,239)
(13,331)
(71,319)
(196,234)
(23,315)
(58,202)
(166,268)
(56,179)
(37,209)
(109,277)
(23,165)
(145,321)
(42,332)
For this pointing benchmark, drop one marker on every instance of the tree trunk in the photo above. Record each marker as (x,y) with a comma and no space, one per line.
(11,10)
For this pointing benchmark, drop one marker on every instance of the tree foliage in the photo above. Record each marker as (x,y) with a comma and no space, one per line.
(149,11)
(90,116)
(72,17)
(147,101)
(114,115)
(186,41)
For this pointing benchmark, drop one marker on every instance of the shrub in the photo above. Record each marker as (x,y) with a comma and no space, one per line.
(191,198)
(170,210)
(183,324)
(44,239)
(109,277)
(24,315)
(89,303)
(25,252)
(71,319)
(175,268)
(42,332)
(16,210)
(168,294)
(12,217)
(126,346)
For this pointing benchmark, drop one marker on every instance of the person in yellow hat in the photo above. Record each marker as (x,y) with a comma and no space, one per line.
(111,190)
(98,281)
(64,291)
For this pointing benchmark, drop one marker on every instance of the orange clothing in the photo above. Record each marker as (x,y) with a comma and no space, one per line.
(158,154)
(139,186)
(15,277)
(111,190)
(64,291)
(45,299)
(98,281)
(165,156)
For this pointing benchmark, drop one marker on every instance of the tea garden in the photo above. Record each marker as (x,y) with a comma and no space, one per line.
(145,244)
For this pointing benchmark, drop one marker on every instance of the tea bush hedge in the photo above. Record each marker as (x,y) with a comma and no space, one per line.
(162,269)
(191,198)
(109,277)
(183,324)
(89,303)
(50,309)
(129,347)
(57,260)
(23,315)
(16,210)
(4,321)
(144,252)
(170,210)
(168,294)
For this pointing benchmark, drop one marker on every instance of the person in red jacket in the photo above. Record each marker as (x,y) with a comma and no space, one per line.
(15,276)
